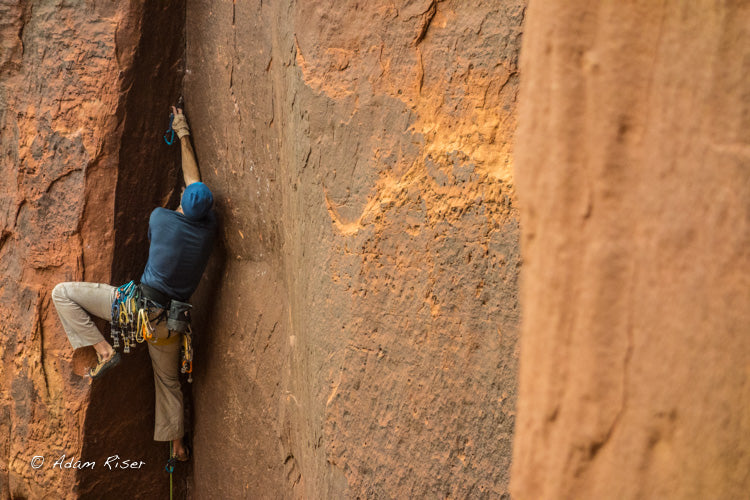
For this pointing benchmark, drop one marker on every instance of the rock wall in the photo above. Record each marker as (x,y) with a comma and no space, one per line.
(58,97)
(358,323)
(633,171)
(72,120)
(361,334)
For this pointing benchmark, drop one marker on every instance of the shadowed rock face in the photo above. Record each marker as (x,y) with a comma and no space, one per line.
(362,334)
(633,169)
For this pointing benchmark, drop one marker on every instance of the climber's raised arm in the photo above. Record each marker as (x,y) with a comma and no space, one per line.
(190,170)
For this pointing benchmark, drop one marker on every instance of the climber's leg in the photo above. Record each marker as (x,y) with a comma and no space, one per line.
(75,303)
(168,425)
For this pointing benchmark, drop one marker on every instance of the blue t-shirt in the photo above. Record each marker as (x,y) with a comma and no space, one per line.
(178,253)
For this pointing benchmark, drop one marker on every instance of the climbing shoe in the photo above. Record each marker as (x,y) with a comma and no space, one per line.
(185,457)
(104,365)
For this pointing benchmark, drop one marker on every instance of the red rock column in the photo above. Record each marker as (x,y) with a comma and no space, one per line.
(81,86)
(59,92)
(633,172)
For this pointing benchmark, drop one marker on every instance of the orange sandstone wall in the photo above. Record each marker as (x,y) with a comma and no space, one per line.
(356,332)
(633,171)
(362,335)
(72,106)
(58,96)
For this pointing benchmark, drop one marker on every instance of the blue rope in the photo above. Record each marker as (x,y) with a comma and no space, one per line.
(170,131)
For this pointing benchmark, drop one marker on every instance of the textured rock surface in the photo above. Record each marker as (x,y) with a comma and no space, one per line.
(120,414)
(58,94)
(67,73)
(362,336)
(633,171)
(357,326)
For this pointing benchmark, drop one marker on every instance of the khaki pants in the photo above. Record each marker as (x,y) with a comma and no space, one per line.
(77,301)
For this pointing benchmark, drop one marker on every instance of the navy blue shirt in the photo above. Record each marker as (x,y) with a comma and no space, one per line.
(178,253)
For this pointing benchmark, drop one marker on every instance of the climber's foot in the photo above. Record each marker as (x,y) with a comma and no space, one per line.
(180,451)
(105,363)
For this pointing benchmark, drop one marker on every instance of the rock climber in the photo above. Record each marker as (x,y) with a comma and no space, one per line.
(179,248)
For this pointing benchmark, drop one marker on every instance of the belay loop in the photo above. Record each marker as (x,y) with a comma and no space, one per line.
(170,131)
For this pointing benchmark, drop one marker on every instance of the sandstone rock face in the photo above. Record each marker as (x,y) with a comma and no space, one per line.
(633,171)
(67,73)
(58,94)
(358,328)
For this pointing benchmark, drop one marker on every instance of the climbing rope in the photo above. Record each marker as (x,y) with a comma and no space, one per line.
(171,462)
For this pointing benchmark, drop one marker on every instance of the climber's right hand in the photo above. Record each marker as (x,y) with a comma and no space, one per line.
(179,123)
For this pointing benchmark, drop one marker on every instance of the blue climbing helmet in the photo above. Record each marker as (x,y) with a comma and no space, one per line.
(197,200)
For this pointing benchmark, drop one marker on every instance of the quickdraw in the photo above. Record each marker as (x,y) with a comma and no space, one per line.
(170,131)
(130,317)
(124,316)
(144,330)
(187,354)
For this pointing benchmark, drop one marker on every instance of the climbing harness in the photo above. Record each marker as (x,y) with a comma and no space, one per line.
(170,131)
(133,321)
